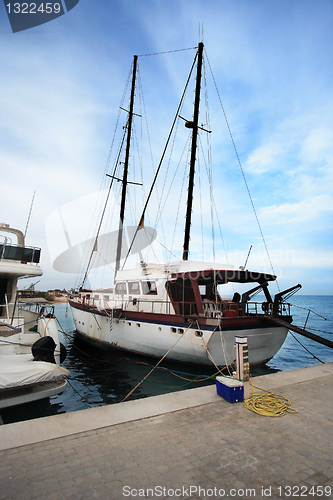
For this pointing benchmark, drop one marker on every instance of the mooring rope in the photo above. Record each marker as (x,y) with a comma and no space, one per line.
(315,357)
(268,405)
(160,361)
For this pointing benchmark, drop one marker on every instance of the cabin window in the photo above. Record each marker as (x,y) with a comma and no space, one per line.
(134,287)
(106,297)
(149,288)
(120,288)
(96,296)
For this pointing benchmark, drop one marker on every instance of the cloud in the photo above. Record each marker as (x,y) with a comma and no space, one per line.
(265,158)
(59,97)
(304,211)
(317,147)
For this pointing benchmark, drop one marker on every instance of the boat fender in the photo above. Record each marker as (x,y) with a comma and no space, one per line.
(43,349)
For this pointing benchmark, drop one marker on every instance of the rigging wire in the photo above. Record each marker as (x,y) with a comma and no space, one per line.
(209,163)
(314,312)
(152,160)
(242,171)
(160,210)
(201,214)
(32,202)
(167,52)
(179,202)
(104,209)
(103,183)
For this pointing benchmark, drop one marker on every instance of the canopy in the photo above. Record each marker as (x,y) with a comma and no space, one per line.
(225,276)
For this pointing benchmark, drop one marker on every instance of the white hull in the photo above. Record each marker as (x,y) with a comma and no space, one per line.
(207,346)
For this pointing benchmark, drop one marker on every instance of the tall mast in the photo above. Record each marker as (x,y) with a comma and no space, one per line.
(128,144)
(194,126)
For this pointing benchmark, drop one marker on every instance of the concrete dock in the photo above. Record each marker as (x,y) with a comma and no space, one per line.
(190,444)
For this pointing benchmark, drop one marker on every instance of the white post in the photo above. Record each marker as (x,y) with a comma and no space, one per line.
(242,363)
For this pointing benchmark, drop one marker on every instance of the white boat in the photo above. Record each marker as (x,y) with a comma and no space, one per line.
(30,349)
(176,309)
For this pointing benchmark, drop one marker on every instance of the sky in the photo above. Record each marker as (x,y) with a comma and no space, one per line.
(61,85)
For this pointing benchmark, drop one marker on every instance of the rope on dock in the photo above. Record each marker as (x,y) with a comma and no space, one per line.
(268,405)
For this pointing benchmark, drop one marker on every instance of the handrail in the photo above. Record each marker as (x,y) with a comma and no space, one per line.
(7,309)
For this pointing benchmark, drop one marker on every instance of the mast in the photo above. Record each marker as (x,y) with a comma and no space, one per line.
(194,126)
(128,144)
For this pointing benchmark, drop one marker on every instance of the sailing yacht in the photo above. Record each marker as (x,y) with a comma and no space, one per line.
(177,308)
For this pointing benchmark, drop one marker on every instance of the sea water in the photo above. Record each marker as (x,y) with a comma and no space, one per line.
(100,378)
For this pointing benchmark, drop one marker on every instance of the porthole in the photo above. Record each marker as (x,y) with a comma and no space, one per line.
(159,329)
(198,333)
(129,323)
(174,330)
(180,330)
(138,325)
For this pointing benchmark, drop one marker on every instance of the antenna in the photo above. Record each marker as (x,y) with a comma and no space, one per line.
(201,32)
(32,202)
(248,255)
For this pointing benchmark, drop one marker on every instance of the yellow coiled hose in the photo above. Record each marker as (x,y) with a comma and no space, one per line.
(268,405)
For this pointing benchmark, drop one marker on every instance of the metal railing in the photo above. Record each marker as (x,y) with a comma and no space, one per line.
(211,309)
